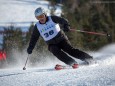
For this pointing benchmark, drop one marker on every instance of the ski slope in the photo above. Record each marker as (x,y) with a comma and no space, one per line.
(101,74)
(21,12)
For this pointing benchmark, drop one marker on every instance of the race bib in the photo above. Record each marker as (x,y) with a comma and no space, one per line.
(49,30)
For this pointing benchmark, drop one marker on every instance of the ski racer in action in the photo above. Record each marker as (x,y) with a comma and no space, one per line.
(49,28)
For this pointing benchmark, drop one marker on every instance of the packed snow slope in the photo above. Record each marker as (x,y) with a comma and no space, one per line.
(21,12)
(100,74)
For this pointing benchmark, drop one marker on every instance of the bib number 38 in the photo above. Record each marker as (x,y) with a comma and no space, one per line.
(51,32)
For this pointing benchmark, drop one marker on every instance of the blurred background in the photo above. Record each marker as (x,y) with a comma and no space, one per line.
(17,21)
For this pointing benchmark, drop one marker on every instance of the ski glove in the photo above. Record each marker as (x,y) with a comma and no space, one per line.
(66,28)
(29,51)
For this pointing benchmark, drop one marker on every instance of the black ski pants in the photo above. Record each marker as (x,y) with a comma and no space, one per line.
(63,51)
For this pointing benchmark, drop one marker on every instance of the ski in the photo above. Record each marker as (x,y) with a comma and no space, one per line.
(75,66)
(61,67)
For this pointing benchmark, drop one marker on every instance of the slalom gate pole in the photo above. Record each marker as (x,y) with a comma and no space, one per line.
(24,68)
(95,33)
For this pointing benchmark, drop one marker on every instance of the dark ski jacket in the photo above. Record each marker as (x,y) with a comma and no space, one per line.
(59,37)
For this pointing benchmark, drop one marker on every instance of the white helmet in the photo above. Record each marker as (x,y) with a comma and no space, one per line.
(39,11)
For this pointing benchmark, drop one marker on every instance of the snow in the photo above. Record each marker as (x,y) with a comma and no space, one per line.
(100,74)
(18,11)
(21,12)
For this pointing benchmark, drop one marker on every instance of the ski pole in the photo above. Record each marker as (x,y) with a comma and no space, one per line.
(96,33)
(24,68)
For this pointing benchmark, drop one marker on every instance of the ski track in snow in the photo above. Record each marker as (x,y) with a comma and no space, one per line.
(100,74)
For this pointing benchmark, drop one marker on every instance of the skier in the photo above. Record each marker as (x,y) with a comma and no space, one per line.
(58,44)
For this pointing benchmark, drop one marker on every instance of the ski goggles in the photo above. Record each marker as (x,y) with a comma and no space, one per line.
(40,16)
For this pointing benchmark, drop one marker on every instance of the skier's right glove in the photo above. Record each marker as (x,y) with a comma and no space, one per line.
(29,51)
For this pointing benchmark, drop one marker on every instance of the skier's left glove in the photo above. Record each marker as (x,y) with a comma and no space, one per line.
(66,28)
